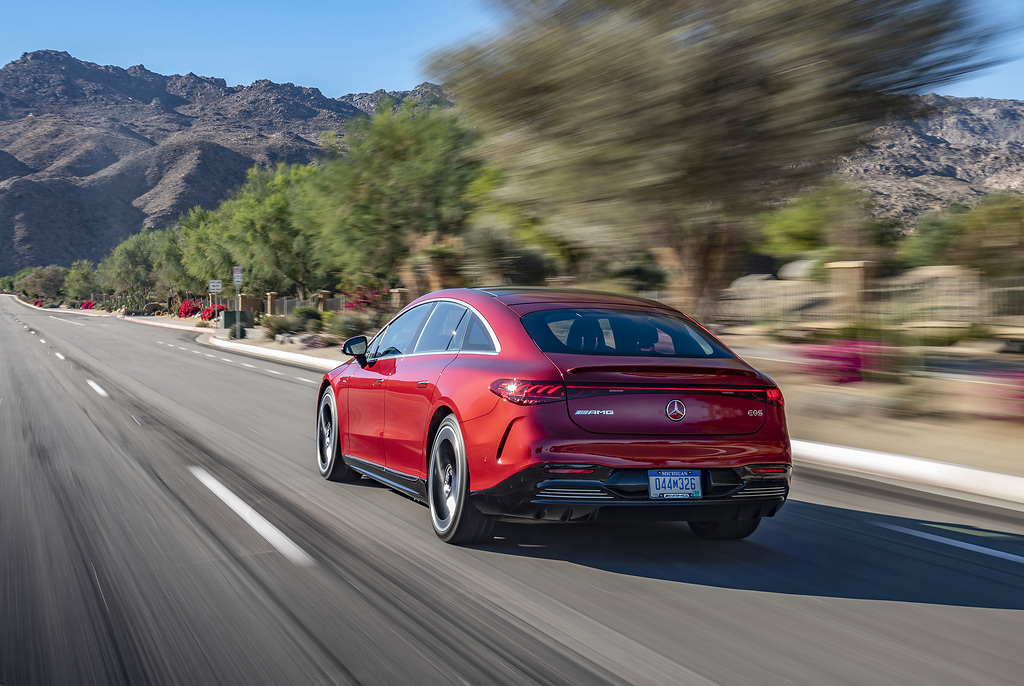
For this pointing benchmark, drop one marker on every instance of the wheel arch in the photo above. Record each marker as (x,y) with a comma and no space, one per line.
(440,412)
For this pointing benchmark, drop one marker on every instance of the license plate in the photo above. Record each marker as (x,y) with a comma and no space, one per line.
(673,483)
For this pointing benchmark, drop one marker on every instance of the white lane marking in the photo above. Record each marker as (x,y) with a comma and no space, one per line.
(42,340)
(197,352)
(273,372)
(271,533)
(180,348)
(32,332)
(225,359)
(67,321)
(24,327)
(160,342)
(209,355)
(59,356)
(96,387)
(136,420)
(1019,559)
(250,366)
(306,380)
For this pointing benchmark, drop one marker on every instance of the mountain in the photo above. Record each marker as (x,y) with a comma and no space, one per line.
(959,150)
(89,154)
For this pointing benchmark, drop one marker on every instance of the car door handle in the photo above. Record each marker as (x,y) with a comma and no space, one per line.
(378,382)
(422,384)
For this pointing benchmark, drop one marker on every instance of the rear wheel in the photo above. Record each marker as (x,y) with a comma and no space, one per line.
(454,518)
(328,454)
(730,530)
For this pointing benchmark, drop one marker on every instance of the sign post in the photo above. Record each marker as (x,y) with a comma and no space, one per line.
(237,274)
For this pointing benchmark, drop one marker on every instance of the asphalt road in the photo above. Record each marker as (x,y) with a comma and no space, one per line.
(161,521)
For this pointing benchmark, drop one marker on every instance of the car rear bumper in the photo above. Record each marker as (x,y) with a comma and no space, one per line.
(609,494)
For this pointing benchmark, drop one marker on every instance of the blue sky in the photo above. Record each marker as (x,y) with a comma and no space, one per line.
(339,47)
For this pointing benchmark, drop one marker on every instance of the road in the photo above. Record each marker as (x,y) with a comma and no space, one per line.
(161,521)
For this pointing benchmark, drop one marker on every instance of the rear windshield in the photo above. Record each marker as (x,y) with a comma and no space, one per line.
(619,332)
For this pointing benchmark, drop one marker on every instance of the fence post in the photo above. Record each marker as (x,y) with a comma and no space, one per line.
(271,302)
(848,280)
(321,304)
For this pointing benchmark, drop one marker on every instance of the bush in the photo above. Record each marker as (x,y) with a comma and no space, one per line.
(314,325)
(349,323)
(236,332)
(306,314)
(275,324)
(88,304)
(190,308)
(203,324)
(211,311)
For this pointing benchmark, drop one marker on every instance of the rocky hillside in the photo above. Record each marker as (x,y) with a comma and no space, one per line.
(89,153)
(962,149)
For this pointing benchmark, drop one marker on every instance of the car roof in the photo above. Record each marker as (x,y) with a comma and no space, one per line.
(524,295)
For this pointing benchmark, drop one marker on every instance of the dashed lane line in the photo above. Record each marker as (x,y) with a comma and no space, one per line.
(67,321)
(59,356)
(273,372)
(306,380)
(250,366)
(96,387)
(42,340)
(226,359)
(268,531)
(1002,555)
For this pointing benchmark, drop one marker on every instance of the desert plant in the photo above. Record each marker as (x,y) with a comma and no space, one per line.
(277,324)
(346,324)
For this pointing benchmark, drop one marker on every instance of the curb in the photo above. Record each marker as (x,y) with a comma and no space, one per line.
(950,479)
(317,363)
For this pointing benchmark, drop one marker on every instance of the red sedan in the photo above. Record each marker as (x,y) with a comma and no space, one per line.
(556,405)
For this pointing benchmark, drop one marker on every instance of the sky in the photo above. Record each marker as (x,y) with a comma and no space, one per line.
(339,47)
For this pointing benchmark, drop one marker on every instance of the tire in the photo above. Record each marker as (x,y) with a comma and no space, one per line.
(328,456)
(730,530)
(454,518)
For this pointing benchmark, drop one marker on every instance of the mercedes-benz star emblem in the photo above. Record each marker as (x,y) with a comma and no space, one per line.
(675,410)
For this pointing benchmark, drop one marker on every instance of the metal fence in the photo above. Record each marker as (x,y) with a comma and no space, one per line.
(903,299)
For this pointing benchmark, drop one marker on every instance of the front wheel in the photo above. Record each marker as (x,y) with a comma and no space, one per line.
(454,518)
(731,530)
(328,452)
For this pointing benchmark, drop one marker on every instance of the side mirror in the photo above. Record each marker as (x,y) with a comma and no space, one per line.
(356,347)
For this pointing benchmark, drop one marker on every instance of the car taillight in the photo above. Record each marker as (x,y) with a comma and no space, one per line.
(528,392)
(767,470)
(775,397)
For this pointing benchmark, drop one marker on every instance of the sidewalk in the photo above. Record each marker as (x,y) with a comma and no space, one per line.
(962,455)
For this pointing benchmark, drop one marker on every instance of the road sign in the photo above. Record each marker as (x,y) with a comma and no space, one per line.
(237,271)
(216,285)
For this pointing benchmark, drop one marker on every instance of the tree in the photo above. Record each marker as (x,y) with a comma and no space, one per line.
(666,122)
(835,217)
(933,238)
(991,235)
(45,282)
(398,189)
(204,254)
(80,282)
(6,283)
(265,229)
(128,270)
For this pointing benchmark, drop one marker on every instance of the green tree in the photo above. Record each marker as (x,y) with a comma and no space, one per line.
(80,282)
(266,228)
(991,235)
(665,123)
(398,189)
(204,253)
(6,283)
(45,282)
(128,271)
(834,216)
(933,238)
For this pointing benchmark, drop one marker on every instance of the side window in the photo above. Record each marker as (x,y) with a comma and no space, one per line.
(460,332)
(397,340)
(478,338)
(440,328)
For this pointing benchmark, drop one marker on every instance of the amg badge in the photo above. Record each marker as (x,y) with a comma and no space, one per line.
(595,412)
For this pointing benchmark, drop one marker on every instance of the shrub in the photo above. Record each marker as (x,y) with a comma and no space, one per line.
(88,304)
(305,314)
(236,332)
(313,343)
(211,311)
(204,323)
(844,362)
(37,303)
(346,324)
(277,323)
(189,308)
(314,325)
